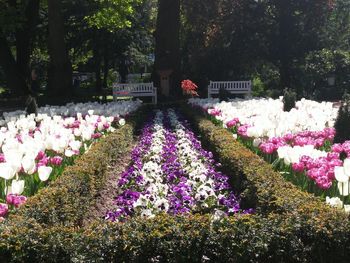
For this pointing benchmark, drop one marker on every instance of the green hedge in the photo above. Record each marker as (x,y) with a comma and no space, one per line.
(289,225)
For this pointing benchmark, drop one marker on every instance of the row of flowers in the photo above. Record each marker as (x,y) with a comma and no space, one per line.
(298,143)
(170,172)
(35,149)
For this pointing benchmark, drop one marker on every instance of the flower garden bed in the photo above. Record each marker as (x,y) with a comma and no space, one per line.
(298,143)
(288,225)
(36,149)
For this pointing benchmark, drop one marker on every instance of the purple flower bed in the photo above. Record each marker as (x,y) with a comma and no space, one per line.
(171,172)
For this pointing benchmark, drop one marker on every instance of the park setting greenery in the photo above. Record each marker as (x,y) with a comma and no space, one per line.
(242,153)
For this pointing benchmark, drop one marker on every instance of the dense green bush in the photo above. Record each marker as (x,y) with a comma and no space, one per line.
(289,99)
(342,123)
(224,95)
(289,225)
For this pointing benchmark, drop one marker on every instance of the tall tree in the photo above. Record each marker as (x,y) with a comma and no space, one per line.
(60,68)
(167,50)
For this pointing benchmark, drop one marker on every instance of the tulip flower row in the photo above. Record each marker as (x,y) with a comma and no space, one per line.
(298,143)
(111,109)
(171,172)
(35,149)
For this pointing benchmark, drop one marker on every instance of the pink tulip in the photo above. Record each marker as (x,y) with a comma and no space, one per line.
(57,160)
(2,158)
(16,200)
(332,155)
(298,167)
(288,137)
(96,135)
(3,210)
(40,155)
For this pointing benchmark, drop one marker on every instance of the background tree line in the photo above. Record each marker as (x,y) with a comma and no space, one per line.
(297,44)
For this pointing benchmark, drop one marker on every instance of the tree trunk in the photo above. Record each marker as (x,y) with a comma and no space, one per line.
(167,50)
(285,21)
(60,68)
(15,80)
(25,36)
(105,69)
(97,61)
(123,69)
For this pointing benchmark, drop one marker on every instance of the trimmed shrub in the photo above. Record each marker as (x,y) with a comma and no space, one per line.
(289,99)
(342,123)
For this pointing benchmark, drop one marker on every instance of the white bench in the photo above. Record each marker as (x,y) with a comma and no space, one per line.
(233,87)
(135,90)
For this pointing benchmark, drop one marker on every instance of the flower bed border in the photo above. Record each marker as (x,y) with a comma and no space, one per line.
(290,225)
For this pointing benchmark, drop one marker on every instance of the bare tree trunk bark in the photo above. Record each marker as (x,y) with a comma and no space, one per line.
(167,51)
(60,68)
(25,36)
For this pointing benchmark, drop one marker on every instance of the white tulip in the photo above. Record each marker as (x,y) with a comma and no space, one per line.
(28,164)
(7,171)
(69,153)
(347,208)
(75,145)
(44,172)
(347,166)
(343,188)
(17,187)
(340,175)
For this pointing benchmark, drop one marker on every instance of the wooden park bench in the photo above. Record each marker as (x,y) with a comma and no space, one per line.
(135,90)
(233,87)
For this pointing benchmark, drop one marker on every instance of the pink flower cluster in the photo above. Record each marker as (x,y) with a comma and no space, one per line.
(15,200)
(214,112)
(317,139)
(44,160)
(232,123)
(3,211)
(242,130)
(320,170)
(11,200)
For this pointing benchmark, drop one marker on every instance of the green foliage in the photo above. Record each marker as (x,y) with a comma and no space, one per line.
(342,124)
(289,99)
(112,14)
(259,88)
(324,63)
